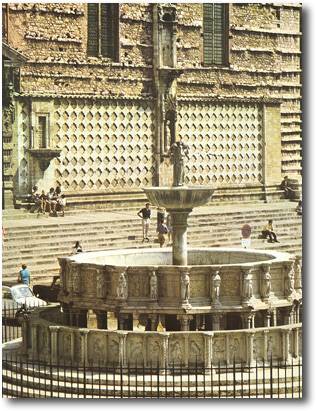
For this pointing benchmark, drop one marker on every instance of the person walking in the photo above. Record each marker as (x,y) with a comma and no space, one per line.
(145,214)
(268,231)
(162,231)
(77,248)
(24,275)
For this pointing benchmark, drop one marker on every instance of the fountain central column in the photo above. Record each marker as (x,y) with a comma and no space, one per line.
(179,233)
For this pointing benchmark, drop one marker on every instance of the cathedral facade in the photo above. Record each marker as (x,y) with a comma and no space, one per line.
(94,94)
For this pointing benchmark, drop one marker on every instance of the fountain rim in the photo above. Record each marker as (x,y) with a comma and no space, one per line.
(272,257)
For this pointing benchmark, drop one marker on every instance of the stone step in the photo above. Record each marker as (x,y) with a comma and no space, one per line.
(41,241)
(44,247)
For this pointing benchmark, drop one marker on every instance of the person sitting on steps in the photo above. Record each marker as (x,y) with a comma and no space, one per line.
(268,231)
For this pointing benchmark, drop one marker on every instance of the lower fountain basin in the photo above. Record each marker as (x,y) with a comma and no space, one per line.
(178,198)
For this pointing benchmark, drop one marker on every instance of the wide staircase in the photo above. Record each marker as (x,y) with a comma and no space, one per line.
(39,240)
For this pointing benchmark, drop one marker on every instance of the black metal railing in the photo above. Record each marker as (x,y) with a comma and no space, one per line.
(28,378)
(11,324)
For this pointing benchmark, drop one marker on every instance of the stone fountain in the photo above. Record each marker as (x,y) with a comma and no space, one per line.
(179,200)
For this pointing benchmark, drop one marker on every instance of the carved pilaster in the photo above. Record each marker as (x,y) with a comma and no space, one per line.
(84,345)
(286,345)
(34,341)
(54,343)
(165,353)
(122,349)
(208,353)
(250,345)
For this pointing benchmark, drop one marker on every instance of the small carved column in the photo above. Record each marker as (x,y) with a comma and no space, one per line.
(84,345)
(185,322)
(122,348)
(274,317)
(287,315)
(267,319)
(247,287)
(216,322)
(208,354)
(250,359)
(185,287)
(265,282)
(248,320)
(54,343)
(215,292)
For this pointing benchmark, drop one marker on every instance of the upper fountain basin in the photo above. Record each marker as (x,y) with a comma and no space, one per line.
(178,198)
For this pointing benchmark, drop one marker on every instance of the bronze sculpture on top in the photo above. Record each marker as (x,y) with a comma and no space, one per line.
(179,200)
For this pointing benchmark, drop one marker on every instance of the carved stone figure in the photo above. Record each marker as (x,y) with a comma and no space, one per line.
(154,350)
(266,282)
(176,354)
(298,275)
(153,286)
(122,287)
(98,351)
(289,280)
(185,286)
(178,151)
(247,286)
(100,284)
(216,287)
(195,351)
(136,352)
(74,273)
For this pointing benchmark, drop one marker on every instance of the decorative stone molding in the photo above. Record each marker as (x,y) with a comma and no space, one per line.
(201,284)
(118,347)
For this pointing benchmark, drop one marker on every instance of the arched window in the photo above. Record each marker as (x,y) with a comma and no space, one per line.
(215,34)
(103,30)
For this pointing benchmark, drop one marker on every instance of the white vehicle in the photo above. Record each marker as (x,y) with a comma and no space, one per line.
(13,298)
